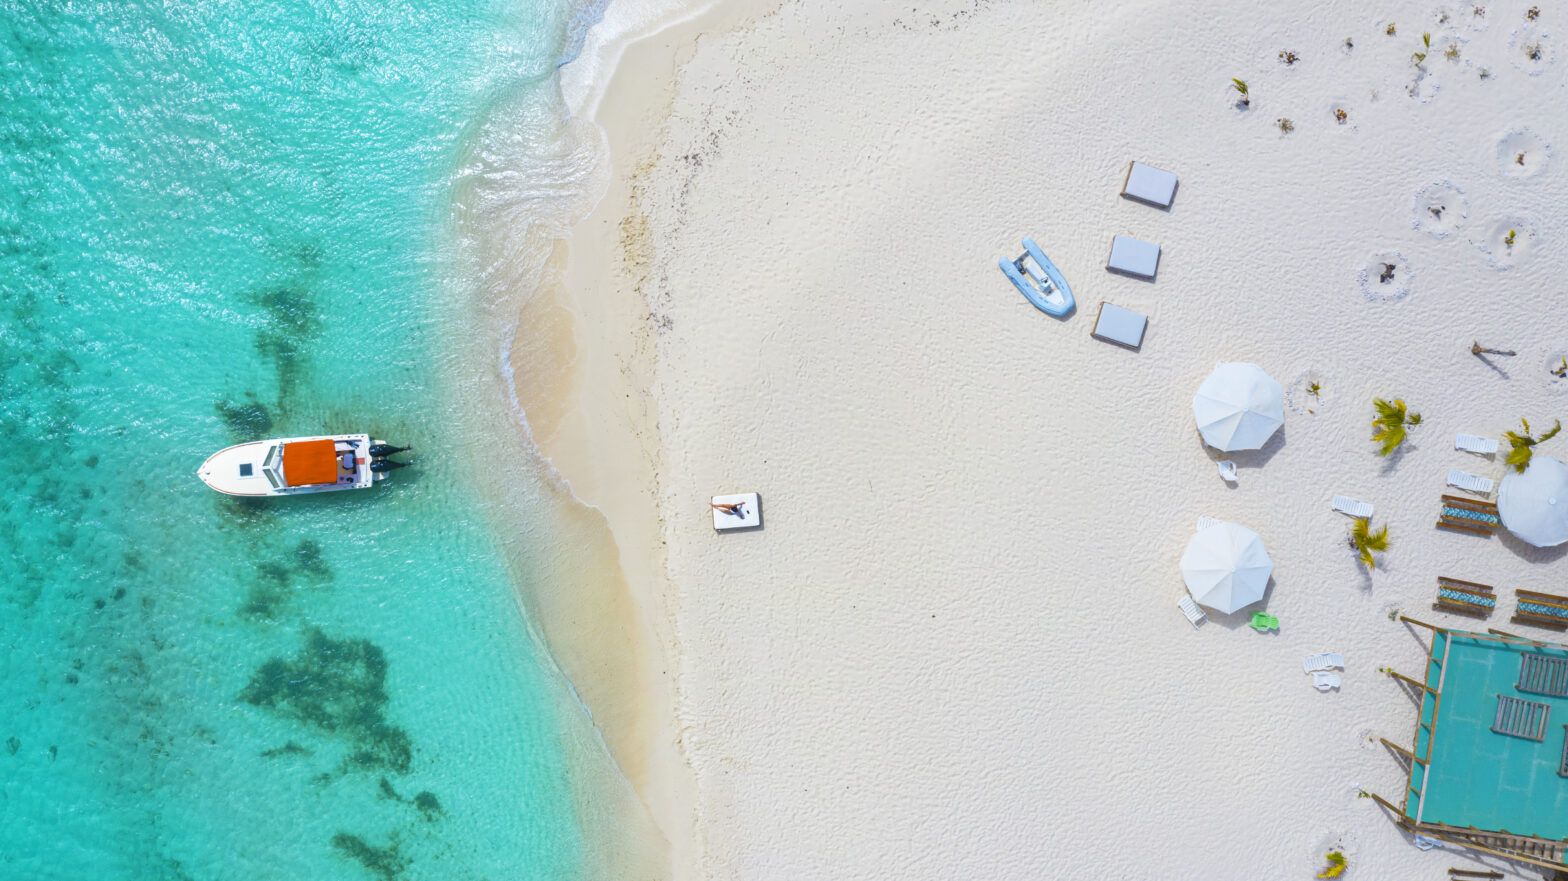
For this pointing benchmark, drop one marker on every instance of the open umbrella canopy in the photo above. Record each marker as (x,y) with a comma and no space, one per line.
(1239,407)
(1226,567)
(1534,505)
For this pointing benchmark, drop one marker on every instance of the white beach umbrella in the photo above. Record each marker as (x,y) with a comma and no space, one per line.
(1239,407)
(1226,567)
(1534,505)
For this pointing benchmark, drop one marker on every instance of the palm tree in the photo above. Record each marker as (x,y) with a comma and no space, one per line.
(1523,444)
(1388,428)
(1364,541)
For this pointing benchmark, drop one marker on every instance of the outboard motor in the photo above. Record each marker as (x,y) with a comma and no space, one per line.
(382,465)
(381,451)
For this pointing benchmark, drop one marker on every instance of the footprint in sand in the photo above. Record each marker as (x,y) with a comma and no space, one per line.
(1386,277)
(1522,153)
(1508,242)
(1300,397)
(1556,371)
(1475,16)
(1533,50)
(1440,209)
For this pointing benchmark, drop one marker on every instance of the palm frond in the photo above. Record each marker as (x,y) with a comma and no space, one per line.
(1522,446)
(1388,438)
(1365,541)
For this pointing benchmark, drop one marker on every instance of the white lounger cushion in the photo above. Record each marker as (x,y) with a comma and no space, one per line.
(1472,444)
(1322,661)
(1135,257)
(1122,326)
(1323,680)
(750,512)
(1353,507)
(1472,482)
(1150,185)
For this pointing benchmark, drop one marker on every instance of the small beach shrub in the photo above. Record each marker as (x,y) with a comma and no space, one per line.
(1561,371)
(1336,865)
(1522,446)
(1389,427)
(1364,541)
(1285,126)
(1315,389)
(1533,13)
(1288,58)
(1390,29)
(1426,43)
(1349,43)
(1340,115)
(1452,52)
(1241,89)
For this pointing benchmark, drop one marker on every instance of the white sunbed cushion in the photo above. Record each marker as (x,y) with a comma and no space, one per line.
(1131,256)
(1149,184)
(1472,482)
(1474,444)
(1118,325)
(750,512)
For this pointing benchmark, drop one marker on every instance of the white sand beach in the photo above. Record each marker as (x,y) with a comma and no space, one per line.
(953,649)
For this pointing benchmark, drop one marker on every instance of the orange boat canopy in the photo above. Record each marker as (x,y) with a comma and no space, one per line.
(306,463)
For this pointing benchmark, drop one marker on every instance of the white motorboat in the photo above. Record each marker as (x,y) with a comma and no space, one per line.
(299,465)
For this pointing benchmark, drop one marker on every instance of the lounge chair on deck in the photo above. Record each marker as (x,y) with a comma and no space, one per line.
(1541,610)
(1149,185)
(1472,482)
(1517,717)
(1191,610)
(1354,507)
(1464,597)
(1134,257)
(1322,661)
(1469,515)
(1123,327)
(1470,443)
(1543,674)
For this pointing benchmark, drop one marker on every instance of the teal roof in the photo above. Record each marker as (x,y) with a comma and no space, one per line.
(1473,776)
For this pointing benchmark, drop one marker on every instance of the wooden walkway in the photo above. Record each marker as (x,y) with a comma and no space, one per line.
(1469,515)
(1464,597)
(1541,610)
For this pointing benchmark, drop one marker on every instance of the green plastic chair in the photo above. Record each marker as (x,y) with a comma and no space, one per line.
(1262,621)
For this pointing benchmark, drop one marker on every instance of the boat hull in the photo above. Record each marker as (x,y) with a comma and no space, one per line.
(1059,300)
(254,468)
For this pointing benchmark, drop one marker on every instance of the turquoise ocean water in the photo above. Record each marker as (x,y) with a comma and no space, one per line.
(223,220)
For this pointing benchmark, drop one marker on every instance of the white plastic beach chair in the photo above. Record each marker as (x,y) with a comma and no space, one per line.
(1123,327)
(1466,480)
(1191,610)
(1353,507)
(1470,443)
(1135,257)
(1206,522)
(1423,843)
(1149,185)
(1228,471)
(1322,661)
(1323,680)
(748,512)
